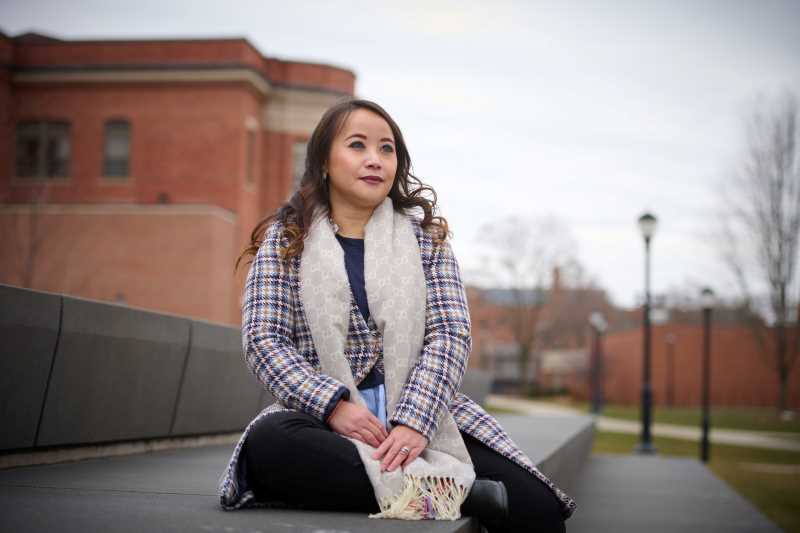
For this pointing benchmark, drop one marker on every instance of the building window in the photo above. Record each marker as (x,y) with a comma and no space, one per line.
(250,170)
(116,150)
(298,163)
(43,149)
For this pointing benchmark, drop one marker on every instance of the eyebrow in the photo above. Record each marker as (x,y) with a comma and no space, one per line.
(362,136)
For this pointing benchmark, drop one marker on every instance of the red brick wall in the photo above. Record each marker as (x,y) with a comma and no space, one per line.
(158,257)
(741,374)
(187,141)
(6,53)
(289,73)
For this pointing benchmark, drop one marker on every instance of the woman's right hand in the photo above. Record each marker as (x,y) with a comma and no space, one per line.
(357,422)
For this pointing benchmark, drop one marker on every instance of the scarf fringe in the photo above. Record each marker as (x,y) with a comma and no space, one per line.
(424,498)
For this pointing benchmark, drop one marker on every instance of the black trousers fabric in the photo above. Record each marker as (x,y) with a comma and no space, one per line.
(294,458)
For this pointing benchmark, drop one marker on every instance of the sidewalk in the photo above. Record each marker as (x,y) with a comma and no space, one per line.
(631,494)
(634,493)
(754,439)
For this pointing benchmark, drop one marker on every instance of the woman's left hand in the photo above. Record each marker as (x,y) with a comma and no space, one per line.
(400,437)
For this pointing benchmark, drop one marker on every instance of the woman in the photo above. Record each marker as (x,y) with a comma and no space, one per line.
(355,319)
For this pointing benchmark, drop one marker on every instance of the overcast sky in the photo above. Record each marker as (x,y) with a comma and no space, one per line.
(591,112)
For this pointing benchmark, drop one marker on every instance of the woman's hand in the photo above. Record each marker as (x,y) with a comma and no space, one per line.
(399,438)
(356,421)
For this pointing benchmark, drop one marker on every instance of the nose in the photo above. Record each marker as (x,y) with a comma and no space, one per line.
(373,162)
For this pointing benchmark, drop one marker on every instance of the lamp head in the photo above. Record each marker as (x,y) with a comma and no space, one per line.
(707,298)
(647,225)
(598,322)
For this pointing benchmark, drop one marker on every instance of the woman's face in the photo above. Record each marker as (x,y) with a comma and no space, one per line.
(362,162)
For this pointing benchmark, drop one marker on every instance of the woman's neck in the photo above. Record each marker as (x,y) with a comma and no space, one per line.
(351,221)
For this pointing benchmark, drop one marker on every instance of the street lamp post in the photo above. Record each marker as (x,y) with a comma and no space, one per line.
(647,226)
(599,326)
(707,299)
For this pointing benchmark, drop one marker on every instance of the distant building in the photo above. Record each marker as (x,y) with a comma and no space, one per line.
(743,370)
(134,170)
(561,341)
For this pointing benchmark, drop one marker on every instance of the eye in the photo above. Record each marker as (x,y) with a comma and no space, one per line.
(387,148)
(356,144)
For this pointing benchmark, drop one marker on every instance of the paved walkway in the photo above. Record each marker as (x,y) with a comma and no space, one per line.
(754,439)
(631,494)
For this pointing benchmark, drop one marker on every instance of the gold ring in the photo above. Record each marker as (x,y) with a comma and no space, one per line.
(404,450)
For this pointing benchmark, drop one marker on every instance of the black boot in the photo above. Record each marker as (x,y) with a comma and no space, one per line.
(487,501)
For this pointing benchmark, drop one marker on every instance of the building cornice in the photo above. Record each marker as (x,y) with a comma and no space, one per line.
(143,74)
(186,73)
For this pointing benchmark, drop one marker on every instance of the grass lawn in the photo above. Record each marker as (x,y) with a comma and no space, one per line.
(746,418)
(770,479)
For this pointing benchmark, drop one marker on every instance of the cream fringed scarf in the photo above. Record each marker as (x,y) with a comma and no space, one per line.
(438,481)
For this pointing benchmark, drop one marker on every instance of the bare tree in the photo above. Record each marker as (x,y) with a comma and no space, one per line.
(760,231)
(521,256)
(26,229)
(40,252)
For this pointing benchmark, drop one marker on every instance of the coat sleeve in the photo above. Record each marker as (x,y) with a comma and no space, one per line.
(267,326)
(437,374)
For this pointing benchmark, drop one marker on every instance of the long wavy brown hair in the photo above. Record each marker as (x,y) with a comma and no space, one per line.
(407,192)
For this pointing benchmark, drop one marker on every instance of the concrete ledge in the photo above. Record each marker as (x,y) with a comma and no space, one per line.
(564,464)
(168,491)
(559,445)
(29,324)
(134,512)
(120,373)
(217,393)
(79,372)
(175,490)
(115,375)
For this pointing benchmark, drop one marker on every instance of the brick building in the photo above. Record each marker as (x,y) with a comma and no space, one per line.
(742,374)
(134,171)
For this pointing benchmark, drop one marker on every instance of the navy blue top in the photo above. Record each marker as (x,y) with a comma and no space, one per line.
(354,263)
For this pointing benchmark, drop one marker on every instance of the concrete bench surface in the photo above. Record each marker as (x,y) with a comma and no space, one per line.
(175,490)
(634,494)
(165,491)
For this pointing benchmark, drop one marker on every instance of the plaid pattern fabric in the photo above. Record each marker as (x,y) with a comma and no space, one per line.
(279,350)
(437,374)
(473,420)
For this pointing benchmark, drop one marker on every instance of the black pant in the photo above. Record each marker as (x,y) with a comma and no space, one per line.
(294,458)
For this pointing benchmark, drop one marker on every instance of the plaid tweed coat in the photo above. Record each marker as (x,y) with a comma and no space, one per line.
(279,350)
